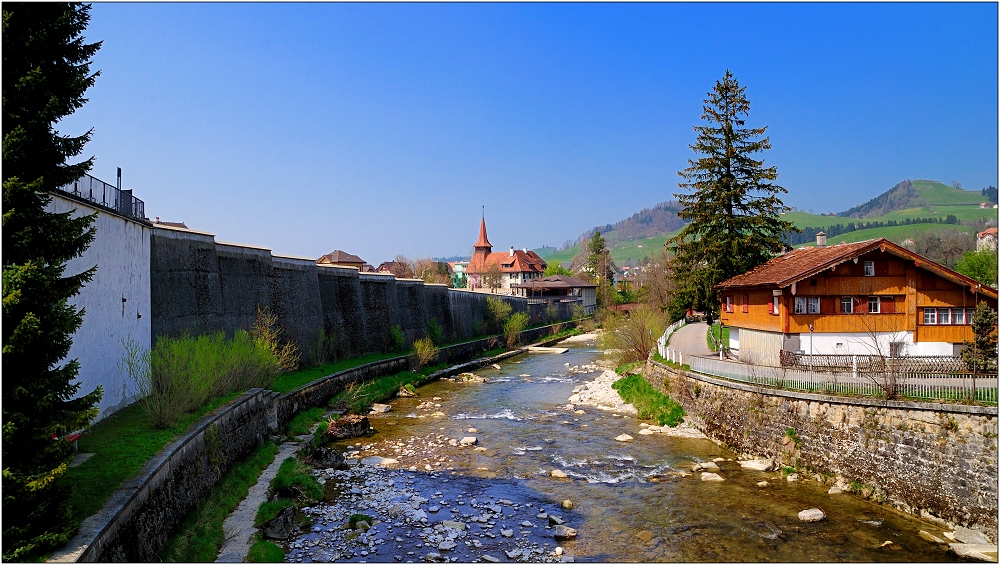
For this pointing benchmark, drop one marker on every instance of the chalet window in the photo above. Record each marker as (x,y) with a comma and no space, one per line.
(729,304)
(897,349)
(774,305)
(930,316)
(800,304)
(846,304)
(873,304)
(958,316)
(813,304)
(869,268)
(746,303)
(944,316)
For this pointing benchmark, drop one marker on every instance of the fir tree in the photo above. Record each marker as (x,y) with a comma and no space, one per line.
(734,211)
(980,355)
(46,70)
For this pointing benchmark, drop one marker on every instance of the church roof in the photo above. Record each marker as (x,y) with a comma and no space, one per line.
(483,242)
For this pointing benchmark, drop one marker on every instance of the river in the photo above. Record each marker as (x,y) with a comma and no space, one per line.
(634,501)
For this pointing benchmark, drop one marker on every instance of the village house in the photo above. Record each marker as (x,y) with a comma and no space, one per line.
(986,239)
(560,288)
(343,259)
(513,268)
(871,298)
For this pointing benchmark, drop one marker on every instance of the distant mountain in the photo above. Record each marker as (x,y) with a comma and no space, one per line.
(913,194)
(648,222)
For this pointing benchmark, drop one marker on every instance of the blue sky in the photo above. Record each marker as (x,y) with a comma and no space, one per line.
(383,129)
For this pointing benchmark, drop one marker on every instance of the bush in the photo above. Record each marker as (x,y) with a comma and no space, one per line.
(323,350)
(497,312)
(426,352)
(514,326)
(180,374)
(632,336)
(397,339)
(434,331)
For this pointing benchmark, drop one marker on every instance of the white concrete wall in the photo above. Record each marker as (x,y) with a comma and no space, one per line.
(876,344)
(121,252)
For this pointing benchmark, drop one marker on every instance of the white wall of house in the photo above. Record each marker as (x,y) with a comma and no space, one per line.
(117,301)
(734,338)
(870,344)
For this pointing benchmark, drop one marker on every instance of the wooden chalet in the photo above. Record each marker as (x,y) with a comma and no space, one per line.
(871,298)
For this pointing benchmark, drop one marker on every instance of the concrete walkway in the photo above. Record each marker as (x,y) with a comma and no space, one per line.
(690,340)
(239,527)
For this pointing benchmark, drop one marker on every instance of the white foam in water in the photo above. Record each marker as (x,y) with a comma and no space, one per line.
(523,450)
(505,414)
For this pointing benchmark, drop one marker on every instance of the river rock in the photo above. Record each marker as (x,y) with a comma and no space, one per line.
(982,552)
(453,524)
(812,515)
(469,440)
(555,520)
(558,474)
(489,558)
(763,484)
(435,557)
(708,466)
(471,378)
(472,430)
(711,477)
(930,537)
(497,367)
(835,490)
(563,532)
(646,432)
(326,458)
(352,425)
(282,526)
(506,533)
(375,460)
(965,535)
(792,478)
(380,408)
(567,504)
(758,465)
(447,545)
(624,437)
(405,393)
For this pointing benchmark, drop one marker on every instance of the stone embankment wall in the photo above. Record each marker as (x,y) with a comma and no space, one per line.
(934,460)
(139,518)
(201,286)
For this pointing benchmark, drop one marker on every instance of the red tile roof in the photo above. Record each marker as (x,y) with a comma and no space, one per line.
(519,261)
(338,256)
(805,262)
(556,281)
(483,241)
(986,232)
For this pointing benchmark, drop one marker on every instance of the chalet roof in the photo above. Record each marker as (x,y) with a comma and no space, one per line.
(987,232)
(556,281)
(516,261)
(338,256)
(805,262)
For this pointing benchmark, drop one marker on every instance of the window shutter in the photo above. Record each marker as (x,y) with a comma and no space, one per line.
(746,303)
(826,305)
(770,307)
(888,304)
(861,305)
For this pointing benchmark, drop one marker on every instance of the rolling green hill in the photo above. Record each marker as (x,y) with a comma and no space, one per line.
(921,198)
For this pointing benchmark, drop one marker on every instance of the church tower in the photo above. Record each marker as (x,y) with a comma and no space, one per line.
(483,247)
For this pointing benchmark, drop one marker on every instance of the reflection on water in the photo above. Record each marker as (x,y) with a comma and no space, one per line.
(633,501)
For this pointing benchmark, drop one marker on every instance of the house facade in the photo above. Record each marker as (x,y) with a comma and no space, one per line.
(986,239)
(340,258)
(855,299)
(511,268)
(560,288)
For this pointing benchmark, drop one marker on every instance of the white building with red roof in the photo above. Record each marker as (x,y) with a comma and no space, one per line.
(512,268)
(986,239)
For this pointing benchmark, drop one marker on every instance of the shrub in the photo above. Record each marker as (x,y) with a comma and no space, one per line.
(426,352)
(397,339)
(513,327)
(497,312)
(434,331)
(323,350)
(632,336)
(266,332)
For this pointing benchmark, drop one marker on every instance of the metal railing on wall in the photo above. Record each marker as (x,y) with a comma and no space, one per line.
(907,385)
(99,192)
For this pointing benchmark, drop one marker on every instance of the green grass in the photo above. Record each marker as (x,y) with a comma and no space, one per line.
(201,536)
(627,367)
(721,337)
(295,379)
(296,475)
(304,420)
(121,444)
(938,193)
(270,509)
(263,551)
(360,396)
(649,402)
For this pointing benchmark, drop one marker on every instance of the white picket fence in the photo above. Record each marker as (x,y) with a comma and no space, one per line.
(661,344)
(917,386)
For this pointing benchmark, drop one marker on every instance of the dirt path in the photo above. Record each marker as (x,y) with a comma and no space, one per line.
(239,525)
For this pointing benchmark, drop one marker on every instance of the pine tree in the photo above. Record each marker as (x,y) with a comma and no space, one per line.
(734,211)
(46,70)
(980,355)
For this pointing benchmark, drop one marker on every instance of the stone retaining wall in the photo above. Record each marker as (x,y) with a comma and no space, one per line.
(934,460)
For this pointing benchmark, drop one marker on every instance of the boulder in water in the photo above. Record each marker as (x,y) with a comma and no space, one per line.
(812,515)
(326,458)
(563,532)
(282,526)
(352,425)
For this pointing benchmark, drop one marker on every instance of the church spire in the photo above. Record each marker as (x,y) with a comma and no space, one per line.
(483,244)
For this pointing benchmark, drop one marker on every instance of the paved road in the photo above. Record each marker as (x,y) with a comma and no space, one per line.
(690,340)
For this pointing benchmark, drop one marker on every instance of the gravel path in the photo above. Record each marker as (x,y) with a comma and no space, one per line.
(239,525)
(691,340)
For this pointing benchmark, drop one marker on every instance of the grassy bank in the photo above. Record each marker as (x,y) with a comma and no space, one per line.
(721,336)
(649,402)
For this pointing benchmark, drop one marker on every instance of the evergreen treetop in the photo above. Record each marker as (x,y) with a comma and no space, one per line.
(734,209)
(46,70)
